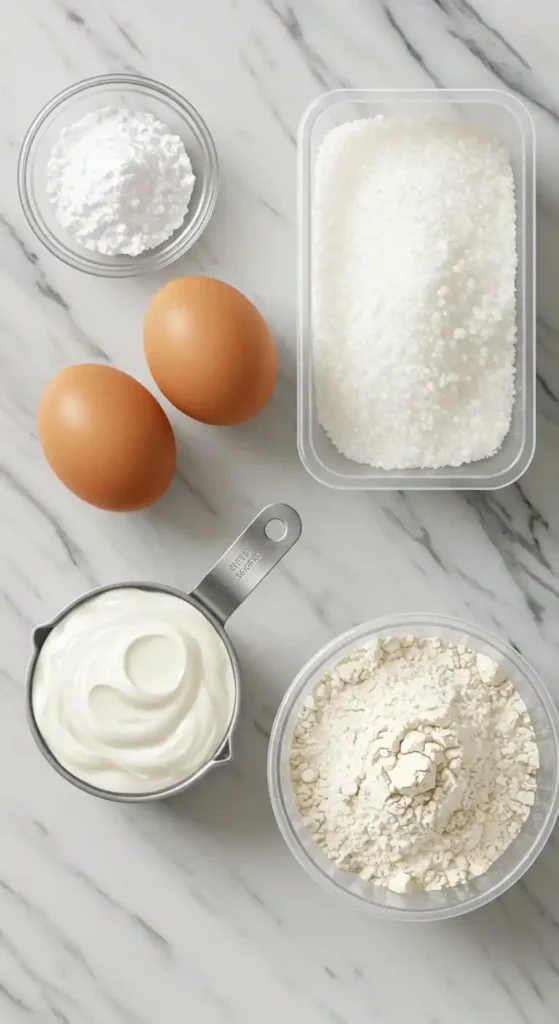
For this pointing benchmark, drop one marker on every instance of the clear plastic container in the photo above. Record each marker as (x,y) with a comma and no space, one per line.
(505,115)
(443,903)
(132,92)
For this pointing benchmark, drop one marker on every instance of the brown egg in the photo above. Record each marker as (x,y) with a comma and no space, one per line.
(106,437)
(210,350)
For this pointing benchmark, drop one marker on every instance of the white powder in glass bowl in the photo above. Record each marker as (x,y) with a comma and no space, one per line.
(119,181)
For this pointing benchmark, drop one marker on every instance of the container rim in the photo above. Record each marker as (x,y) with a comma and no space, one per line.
(503,97)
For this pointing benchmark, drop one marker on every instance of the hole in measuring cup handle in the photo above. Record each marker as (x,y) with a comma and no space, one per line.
(275,529)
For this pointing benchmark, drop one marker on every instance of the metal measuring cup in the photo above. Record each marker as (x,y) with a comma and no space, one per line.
(246,562)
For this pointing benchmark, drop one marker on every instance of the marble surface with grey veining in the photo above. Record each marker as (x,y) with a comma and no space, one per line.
(194,910)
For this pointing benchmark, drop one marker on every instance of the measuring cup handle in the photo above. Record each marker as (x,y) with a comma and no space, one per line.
(249,559)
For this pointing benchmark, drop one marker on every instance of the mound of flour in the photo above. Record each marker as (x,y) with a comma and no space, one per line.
(414,763)
(414,262)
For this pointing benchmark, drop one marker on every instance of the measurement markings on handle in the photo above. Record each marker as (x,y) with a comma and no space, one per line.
(244,562)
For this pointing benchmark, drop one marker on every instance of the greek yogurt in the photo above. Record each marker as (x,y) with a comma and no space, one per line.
(133,690)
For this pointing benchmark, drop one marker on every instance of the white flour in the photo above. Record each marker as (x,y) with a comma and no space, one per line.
(414,261)
(414,763)
(119,181)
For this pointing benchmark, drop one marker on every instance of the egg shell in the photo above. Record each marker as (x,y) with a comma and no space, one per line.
(106,437)
(209,350)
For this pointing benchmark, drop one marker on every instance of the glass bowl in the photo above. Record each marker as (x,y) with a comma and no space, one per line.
(517,858)
(135,93)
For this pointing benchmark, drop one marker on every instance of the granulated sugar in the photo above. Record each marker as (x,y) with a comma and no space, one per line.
(414,261)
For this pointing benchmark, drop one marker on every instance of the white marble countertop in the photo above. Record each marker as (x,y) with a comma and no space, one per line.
(194,910)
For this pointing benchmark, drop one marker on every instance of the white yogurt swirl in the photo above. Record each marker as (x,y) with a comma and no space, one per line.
(133,690)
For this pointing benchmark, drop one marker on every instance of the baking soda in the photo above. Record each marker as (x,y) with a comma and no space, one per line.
(120,181)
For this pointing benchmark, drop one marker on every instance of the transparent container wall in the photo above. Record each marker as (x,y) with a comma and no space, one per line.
(508,118)
(507,869)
